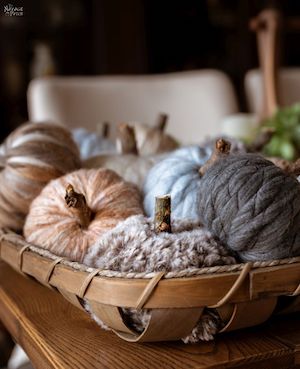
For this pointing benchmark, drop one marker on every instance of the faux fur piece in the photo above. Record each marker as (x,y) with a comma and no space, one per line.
(133,246)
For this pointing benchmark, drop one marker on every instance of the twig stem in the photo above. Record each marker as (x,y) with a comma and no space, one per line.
(222,149)
(162,219)
(126,142)
(77,202)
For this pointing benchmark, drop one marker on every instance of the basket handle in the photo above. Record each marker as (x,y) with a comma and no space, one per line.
(234,288)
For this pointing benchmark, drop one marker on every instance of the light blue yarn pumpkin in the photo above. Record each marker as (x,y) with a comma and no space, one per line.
(92,143)
(178,175)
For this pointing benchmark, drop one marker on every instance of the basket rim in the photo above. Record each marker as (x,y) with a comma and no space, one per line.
(210,287)
(19,240)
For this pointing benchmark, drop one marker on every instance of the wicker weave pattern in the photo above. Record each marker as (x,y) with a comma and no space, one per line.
(175,298)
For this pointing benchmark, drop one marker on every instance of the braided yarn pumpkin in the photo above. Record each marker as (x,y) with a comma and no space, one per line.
(252,206)
(68,223)
(31,156)
(178,175)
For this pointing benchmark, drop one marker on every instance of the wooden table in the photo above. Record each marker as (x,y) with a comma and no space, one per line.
(57,335)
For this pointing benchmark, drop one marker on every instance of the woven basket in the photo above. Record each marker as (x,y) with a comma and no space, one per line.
(243,294)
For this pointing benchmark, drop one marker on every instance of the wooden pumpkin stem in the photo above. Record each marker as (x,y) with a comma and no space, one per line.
(261,139)
(105,129)
(162,121)
(77,202)
(162,220)
(221,150)
(126,142)
(287,166)
(295,168)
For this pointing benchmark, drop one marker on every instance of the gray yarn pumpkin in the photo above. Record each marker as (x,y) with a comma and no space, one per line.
(252,206)
(178,175)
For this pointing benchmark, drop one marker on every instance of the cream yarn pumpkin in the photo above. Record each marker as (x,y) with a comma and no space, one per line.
(68,223)
(150,140)
(128,162)
(31,156)
(154,140)
(131,167)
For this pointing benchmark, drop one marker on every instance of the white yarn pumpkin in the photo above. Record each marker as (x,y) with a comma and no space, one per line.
(131,167)
(129,163)
(152,140)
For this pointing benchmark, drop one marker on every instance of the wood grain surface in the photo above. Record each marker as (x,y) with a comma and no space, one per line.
(6,346)
(56,334)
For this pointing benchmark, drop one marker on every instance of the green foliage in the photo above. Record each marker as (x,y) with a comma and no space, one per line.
(285,142)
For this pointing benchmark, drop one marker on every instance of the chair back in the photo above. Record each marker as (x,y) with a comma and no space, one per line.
(195,101)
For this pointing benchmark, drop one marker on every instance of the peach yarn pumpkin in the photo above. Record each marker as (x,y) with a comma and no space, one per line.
(30,157)
(69,231)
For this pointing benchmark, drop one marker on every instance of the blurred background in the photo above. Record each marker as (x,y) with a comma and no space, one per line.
(41,38)
(88,37)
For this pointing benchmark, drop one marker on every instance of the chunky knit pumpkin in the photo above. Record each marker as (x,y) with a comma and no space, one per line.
(73,211)
(252,206)
(31,156)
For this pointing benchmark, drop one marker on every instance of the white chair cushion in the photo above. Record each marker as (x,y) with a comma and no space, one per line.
(196,101)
